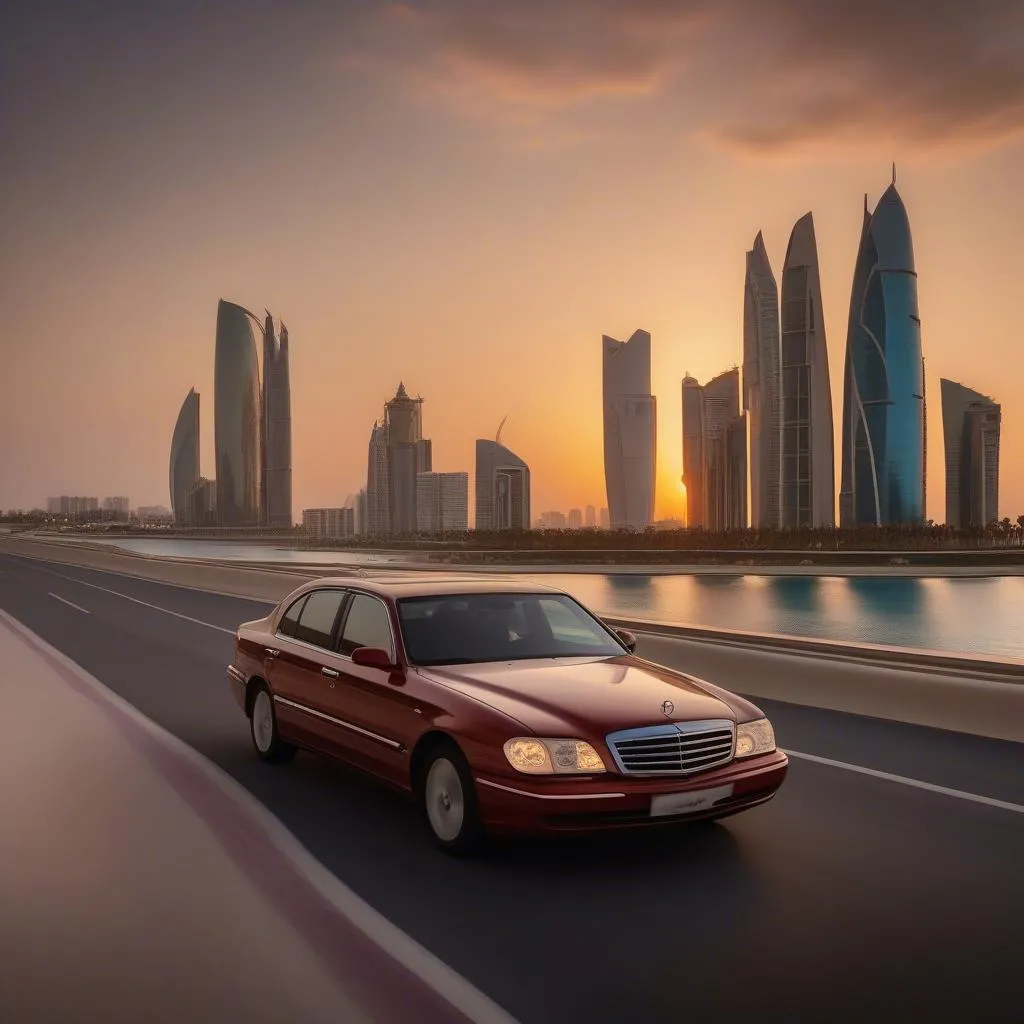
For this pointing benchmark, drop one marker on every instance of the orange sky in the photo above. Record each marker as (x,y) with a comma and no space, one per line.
(467,207)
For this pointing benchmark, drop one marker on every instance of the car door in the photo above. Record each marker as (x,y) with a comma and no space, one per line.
(378,712)
(300,670)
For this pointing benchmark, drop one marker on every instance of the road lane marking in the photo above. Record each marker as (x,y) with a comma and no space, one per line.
(471,1004)
(70,604)
(958,794)
(145,604)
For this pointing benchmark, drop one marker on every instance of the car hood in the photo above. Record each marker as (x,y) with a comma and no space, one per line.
(584,697)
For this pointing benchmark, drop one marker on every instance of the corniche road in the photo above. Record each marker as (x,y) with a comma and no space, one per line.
(884,882)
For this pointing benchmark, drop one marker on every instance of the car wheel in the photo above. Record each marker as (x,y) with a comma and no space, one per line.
(449,801)
(263,727)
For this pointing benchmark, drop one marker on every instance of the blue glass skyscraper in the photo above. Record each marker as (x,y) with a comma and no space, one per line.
(883,388)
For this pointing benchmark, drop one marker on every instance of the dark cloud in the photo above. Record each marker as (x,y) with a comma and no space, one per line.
(763,76)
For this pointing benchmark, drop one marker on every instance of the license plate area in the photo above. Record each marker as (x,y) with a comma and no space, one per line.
(691,802)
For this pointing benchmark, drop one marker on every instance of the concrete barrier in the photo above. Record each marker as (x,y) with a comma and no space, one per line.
(949,663)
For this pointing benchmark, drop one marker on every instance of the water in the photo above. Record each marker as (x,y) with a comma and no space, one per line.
(973,615)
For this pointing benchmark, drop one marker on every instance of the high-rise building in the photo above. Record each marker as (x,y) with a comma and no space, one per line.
(630,431)
(328,523)
(74,506)
(590,517)
(502,484)
(407,457)
(762,387)
(725,454)
(693,450)
(202,503)
(276,431)
(359,507)
(236,418)
(808,457)
(378,493)
(442,502)
(971,425)
(604,520)
(184,462)
(575,519)
(883,388)
(714,453)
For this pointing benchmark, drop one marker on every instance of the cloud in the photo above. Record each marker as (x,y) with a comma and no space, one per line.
(762,77)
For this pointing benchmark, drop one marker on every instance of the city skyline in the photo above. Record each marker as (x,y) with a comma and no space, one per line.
(532,226)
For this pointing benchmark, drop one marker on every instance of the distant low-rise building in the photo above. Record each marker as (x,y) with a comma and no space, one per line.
(553,520)
(153,513)
(329,523)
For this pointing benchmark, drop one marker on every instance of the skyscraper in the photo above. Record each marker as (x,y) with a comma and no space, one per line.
(762,387)
(442,502)
(630,431)
(236,416)
(808,458)
(502,488)
(883,387)
(590,517)
(715,453)
(276,431)
(693,450)
(408,455)
(378,494)
(184,462)
(971,425)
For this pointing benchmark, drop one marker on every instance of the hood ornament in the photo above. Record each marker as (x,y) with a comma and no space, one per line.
(667,707)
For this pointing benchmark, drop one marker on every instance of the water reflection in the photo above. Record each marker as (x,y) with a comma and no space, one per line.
(979,615)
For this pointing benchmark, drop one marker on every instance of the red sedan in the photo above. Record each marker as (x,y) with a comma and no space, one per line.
(501,707)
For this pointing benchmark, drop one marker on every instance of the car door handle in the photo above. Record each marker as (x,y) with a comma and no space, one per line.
(270,652)
(331,673)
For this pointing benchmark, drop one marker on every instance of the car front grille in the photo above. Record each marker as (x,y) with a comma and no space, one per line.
(673,748)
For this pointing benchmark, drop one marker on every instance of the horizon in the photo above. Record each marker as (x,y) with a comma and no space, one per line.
(483,202)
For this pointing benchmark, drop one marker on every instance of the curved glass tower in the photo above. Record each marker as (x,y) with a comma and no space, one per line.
(808,456)
(502,488)
(761,387)
(236,416)
(630,431)
(883,391)
(276,429)
(184,464)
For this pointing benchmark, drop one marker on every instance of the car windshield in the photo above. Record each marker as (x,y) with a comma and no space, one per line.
(461,629)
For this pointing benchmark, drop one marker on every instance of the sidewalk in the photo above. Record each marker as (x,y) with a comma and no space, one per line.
(137,883)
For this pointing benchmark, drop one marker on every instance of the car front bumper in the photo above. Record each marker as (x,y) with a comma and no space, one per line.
(525,805)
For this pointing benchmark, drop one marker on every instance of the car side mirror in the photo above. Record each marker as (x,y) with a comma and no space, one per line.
(372,657)
(627,639)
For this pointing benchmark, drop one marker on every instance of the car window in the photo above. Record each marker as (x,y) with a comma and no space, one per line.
(570,624)
(316,621)
(366,625)
(467,628)
(290,619)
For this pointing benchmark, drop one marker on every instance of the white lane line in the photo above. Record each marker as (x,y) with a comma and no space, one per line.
(958,794)
(70,604)
(145,604)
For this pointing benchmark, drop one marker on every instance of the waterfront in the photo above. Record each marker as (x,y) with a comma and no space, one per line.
(979,615)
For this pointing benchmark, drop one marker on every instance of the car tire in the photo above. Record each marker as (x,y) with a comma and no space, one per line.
(448,801)
(263,729)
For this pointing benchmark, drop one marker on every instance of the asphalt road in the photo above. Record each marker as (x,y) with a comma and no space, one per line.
(847,898)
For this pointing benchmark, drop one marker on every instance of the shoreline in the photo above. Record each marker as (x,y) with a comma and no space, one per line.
(906,564)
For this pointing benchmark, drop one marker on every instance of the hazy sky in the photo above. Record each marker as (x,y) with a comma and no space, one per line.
(465,195)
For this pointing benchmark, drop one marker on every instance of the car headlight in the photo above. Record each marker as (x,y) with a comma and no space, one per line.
(754,738)
(552,757)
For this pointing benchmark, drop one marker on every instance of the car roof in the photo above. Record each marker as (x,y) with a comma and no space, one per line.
(423,584)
